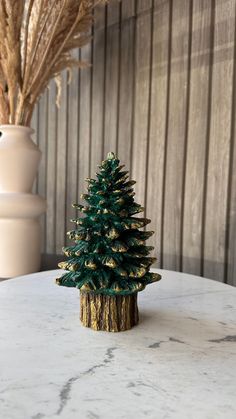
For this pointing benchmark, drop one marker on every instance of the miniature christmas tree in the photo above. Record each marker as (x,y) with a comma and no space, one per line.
(109,261)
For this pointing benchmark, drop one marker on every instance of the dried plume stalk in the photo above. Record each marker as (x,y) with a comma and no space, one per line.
(36,40)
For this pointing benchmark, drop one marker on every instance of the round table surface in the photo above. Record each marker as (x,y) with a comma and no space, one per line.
(179,362)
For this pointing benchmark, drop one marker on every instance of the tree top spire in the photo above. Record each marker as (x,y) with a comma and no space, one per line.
(111,155)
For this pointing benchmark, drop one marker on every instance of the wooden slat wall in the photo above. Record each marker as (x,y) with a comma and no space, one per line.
(161,92)
(219,139)
(197,135)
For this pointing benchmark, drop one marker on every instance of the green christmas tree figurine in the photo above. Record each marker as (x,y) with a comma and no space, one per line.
(109,261)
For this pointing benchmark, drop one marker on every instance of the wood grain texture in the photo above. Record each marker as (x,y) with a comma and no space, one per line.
(126,85)
(176,131)
(111,115)
(51,170)
(141,102)
(108,313)
(230,276)
(85,112)
(143,5)
(230,261)
(72,147)
(197,135)
(219,146)
(128,9)
(62,140)
(98,89)
(161,92)
(157,134)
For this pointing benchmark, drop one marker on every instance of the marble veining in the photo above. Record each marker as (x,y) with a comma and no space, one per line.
(224,339)
(170,339)
(66,389)
(179,362)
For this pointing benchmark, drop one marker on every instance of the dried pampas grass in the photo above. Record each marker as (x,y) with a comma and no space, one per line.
(36,39)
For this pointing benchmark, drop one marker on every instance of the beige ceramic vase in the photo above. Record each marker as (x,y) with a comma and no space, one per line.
(20,242)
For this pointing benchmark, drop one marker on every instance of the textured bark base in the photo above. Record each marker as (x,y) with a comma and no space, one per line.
(108,313)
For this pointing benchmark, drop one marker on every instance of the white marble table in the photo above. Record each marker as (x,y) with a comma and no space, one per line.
(179,362)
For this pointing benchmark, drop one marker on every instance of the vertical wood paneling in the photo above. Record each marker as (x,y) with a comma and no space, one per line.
(112,77)
(220,133)
(128,9)
(155,175)
(51,171)
(197,135)
(84,145)
(230,268)
(141,103)
(61,166)
(126,87)
(176,134)
(72,146)
(99,50)
(231,221)
(159,92)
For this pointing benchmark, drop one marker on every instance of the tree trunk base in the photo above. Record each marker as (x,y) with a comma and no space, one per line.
(109,313)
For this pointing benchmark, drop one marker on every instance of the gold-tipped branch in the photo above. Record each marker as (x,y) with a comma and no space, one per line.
(110,262)
(112,234)
(119,247)
(137,273)
(89,264)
